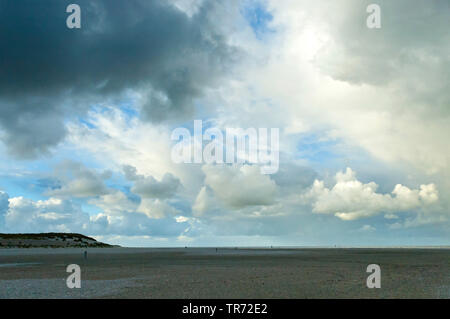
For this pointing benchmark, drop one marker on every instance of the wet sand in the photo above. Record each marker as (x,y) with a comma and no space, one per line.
(227,273)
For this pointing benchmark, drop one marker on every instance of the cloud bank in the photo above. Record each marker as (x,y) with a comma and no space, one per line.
(49,72)
(350,199)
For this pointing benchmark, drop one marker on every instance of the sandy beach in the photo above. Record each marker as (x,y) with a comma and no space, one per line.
(227,273)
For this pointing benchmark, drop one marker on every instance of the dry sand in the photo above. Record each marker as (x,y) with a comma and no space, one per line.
(228,273)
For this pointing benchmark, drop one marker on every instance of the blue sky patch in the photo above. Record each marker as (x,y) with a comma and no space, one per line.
(258,18)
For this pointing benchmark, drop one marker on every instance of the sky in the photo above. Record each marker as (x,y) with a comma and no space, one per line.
(87,115)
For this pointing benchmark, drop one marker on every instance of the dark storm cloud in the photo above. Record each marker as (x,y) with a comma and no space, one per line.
(48,71)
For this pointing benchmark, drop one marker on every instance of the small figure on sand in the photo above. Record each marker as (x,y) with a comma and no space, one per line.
(85,254)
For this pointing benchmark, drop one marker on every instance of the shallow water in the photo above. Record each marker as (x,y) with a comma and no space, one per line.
(19,264)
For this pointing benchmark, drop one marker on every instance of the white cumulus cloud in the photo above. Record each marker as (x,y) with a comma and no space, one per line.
(350,199)
(54,214)
(240,186)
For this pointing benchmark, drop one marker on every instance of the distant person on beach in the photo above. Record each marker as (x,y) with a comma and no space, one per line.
(85,254)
